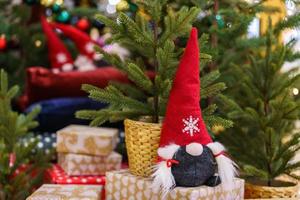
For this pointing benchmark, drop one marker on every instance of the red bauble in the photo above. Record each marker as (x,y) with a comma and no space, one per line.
(3,43)
(83,24)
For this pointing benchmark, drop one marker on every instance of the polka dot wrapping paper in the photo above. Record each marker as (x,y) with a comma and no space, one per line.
(76,164)
(56,175)
(67,192)
(122,185)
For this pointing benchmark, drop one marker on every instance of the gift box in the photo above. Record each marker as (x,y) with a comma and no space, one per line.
(67,192)
(123,185)
(56,175)
(76,164)
(87,140)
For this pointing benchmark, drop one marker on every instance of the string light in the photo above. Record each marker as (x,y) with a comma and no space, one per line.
(47,2)
(59,2)
(51,2)
(113,2)
(111,9)
(38,43)
(295,91)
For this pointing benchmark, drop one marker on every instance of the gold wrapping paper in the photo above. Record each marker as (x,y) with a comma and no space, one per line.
(122,185)
(76,164)
(86,140)
(67,192)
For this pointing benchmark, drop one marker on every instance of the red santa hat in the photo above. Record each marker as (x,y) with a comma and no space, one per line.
(58,54)
(183,124)
(82,40)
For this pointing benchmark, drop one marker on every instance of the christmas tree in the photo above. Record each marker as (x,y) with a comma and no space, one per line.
(263,140)
(20,170)
(22,41)
(155,38)
(227,25)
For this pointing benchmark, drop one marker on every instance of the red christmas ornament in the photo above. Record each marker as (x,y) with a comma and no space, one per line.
(3,42)
(83,24)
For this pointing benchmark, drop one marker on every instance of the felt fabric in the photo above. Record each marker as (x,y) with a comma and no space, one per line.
(58,53)
(42,83)
(191,170)
(183,123)
(83,42)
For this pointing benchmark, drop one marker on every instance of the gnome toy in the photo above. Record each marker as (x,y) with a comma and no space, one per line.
(187,156)
(59,56)
(84,44)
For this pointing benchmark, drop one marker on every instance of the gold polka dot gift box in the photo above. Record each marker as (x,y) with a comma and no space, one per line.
(122,185)
(67,192)
(76,164)
(86,140)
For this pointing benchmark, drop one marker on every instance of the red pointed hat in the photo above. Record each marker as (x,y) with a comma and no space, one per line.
(183,123)
(83,42)
(58,54)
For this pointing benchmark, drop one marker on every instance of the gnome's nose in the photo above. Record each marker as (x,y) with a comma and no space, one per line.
(194,149)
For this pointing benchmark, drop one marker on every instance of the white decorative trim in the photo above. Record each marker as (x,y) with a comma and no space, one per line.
(216,147)
(227,169)
(67,67)
(167,152)
(89,47)
(84,63)
(61,57)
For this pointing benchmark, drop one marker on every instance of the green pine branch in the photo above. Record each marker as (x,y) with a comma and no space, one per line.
(13,127)
(155,45)
(264,111)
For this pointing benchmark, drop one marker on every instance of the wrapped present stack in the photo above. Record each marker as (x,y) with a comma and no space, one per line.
(85,154)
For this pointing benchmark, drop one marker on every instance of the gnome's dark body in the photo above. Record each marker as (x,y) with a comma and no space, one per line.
(195,170)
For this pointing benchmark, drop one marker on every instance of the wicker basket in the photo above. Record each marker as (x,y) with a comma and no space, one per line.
(264,192)
(142,141)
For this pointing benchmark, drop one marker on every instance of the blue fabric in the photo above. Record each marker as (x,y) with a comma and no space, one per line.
(60,112)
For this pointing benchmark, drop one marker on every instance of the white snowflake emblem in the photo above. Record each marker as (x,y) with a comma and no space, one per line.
(190,125)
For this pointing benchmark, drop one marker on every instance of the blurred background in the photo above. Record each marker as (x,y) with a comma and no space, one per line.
(47,48)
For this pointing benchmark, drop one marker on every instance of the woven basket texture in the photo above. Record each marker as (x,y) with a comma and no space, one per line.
(142,142)
(264,192)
